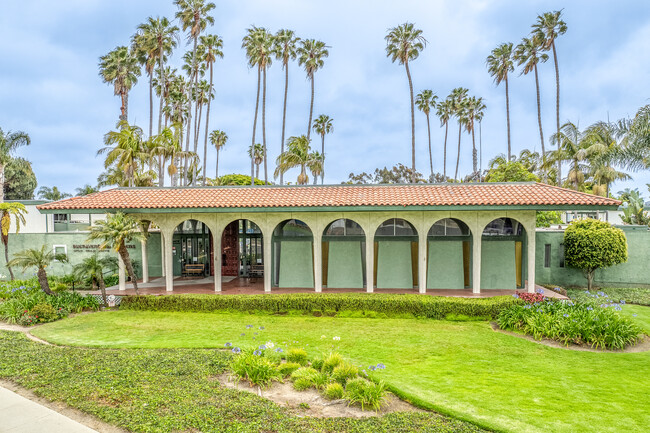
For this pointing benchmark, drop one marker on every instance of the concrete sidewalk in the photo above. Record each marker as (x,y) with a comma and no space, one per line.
(21,415)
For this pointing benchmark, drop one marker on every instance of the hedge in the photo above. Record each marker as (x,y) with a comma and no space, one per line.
(433,307)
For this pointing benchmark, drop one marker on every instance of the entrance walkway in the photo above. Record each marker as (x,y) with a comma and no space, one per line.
(21,415)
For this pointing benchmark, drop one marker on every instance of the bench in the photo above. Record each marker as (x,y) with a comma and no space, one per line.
(256,271)
(195,269)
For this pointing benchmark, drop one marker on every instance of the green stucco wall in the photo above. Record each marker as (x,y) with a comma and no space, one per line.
(445,265)
(636,272)
(344,268)
(394,268)
(498,265)
(77,249)
(296,264)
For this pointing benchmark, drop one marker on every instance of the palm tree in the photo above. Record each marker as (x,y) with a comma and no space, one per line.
(256,154)
(425,101)
(298,154)
(548,27)
(500,63)
(7,211)
(258,44)
(115,232)
(474,113)
(39,259)
(604,152)
(93,268)
(322,126)
(310,55)
(218,139)
(571,147)
(284,48)
(458,98)
(52,194)
(86,190)
(166,37)
(167,146)
(9,142)
(120,68)
(144,48)
(212,46)
(528,53)
(128,151)
(404,43)
(317,165)
(444,112)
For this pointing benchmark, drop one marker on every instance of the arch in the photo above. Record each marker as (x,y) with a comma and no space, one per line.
(292,255)
(242,249)
(192,249)
(396,254)
(449,254)
(503,254)
(343,255)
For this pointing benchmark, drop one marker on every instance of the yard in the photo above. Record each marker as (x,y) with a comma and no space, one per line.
(463,369)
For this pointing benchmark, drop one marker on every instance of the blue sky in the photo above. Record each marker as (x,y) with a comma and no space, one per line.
(50,88)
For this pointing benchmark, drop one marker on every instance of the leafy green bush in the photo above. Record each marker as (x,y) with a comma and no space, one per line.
(333,391)
(332,361)
(365,393)
(303,372)
(298,356)
(317,363)
(257,369)
(302,383)
(640,296)
(433,307)
(287,368)
(344,372)
(44,313)
(599,326)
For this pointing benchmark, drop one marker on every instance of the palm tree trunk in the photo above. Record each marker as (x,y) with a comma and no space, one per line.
(444,154)
(2,183)
(539,117)
(216,172)
(311,107)
(430,154)
(474,154)
(408,74)
(123,106)
(187,144)
(266,176)
(196,144)
(162,85)
(508,120)
(42,280)
(458,157)
(207,122)
(161,171)
(257,171)
(284,113)
(5,241)
(257,105)
(150,103)
(124,254)
(322,150)
(557,109)
(102,287)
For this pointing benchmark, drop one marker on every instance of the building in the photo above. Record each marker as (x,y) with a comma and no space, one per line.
(373,237)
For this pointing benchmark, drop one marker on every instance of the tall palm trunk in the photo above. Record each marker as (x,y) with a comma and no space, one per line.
(539,117)
(123,106)
(257,170)
(284,113)
(408,74)
(196,145)
(444,153)
(557,109)
(508,120)
(42,280)
(311,106)
(474,154)
(162,84)
(5,241)
(257,106)
(161,171)
(124,254)
(207,122)
(430,154)
(322,150)
(102,287)
(150,103)
(266,177)
(458,157)
(184,175)
(216,172)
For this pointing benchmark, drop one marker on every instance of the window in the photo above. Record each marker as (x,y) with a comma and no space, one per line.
(449,227)
(547,255)
(60,249)
(396,227)
(60,218)
(561,254)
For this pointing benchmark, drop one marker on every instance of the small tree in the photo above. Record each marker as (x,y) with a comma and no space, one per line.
(93,268)
(592,244)
(39,259)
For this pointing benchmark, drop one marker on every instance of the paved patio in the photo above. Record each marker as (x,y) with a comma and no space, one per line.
(252,286)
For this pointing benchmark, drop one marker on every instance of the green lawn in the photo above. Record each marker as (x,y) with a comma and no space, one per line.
(634,295)
(460,368)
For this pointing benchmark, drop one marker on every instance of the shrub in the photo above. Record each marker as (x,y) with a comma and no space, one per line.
(298,356)
(287,368)
(365,393)
(387,305)
(44,313)
(592,244)
(333,391)
(344,372)
(530,298)
(320,380)
(303,372)
(332,361)
(255,368)
(317,363)
(302,383)
(598,326)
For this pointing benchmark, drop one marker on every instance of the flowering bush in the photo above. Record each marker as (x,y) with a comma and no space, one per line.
(599,326)
(530,298)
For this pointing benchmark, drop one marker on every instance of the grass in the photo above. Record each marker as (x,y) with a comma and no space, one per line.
(640,296)
(463,369)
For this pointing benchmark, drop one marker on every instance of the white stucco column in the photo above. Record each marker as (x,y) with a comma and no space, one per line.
(121,272)
(477,238)
(318,261)
(422,261)
(530,236)
(145,262)
(216,244)
(169,260)
(370,262)
(267,236)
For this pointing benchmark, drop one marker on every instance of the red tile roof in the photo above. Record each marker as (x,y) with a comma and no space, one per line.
(481,194)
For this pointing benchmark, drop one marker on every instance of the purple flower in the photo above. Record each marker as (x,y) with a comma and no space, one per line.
(565,315)
(634,315)
(590,309)
(623,301)
(515,296)
(262,347)
(228,344)
(381,366)
(257,353)
(236,350)
(372,368)
(279,350)
(249,326)
(243,334)
(540,291)
(261,327)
